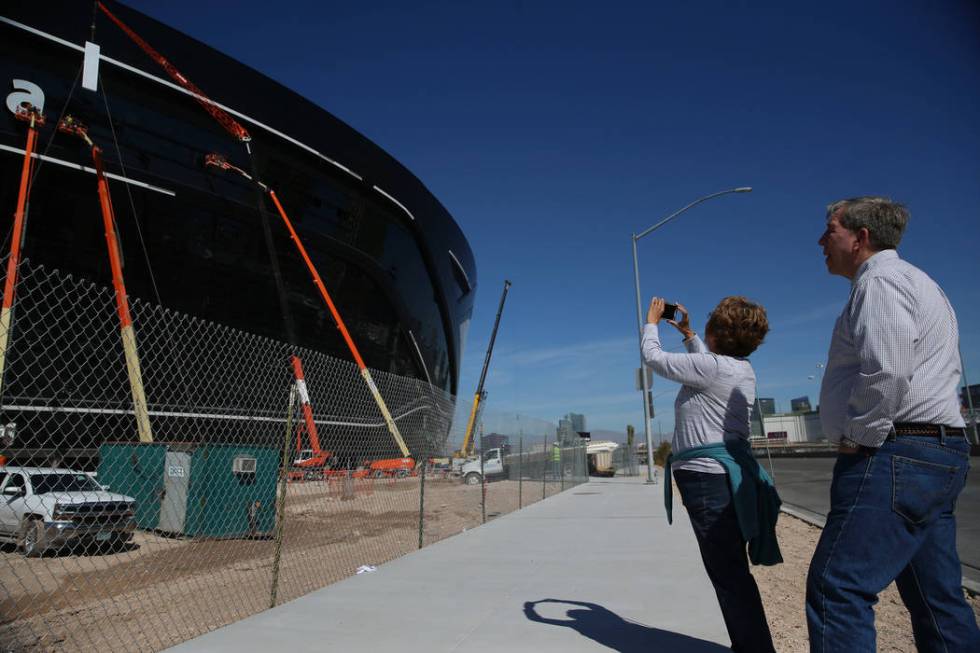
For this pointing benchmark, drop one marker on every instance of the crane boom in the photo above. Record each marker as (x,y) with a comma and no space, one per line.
(35,119)
(223,117)
(222,163)
(478,397)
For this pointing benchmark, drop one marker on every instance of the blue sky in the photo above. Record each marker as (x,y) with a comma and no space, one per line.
(552,131)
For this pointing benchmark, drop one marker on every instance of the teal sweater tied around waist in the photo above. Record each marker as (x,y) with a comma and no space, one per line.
(756,501)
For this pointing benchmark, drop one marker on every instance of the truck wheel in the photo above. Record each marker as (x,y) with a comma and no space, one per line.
(32,539)
(378,473)
(120,541)
(401,473)
(472,479)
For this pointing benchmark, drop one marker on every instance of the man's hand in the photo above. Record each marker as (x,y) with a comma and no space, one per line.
(656,310)
(684,326)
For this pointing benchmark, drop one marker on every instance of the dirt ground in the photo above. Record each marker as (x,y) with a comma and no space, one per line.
(783,590)
(162,590)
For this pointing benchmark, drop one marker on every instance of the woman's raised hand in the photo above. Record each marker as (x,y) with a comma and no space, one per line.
(656,310)
(684,324)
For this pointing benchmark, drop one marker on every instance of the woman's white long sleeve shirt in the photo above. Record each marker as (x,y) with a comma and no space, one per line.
(715,400)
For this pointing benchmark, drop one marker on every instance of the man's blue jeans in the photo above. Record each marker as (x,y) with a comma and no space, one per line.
(891,518)
(708,501)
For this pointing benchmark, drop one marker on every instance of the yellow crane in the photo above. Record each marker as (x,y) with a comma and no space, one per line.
(467,448)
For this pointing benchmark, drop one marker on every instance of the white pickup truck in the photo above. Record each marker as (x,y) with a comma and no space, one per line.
(43,508)
(493,465)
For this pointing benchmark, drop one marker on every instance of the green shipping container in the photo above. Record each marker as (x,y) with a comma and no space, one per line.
(203,490)
(137,471)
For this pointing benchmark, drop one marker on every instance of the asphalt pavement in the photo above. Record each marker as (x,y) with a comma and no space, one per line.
(805,482)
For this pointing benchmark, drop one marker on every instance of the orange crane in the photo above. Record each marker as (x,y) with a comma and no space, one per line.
(222,163)
(318,457)
(219,114)
(34,119)
(70,125)
(240,133)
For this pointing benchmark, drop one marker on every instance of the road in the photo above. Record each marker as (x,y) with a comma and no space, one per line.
(805,482)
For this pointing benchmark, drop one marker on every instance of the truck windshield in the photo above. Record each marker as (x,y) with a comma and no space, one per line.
(44,483)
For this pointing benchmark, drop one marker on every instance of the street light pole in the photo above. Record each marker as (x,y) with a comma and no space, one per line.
(643,371)
(639,316)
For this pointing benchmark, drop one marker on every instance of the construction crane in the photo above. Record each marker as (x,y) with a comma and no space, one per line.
(35,119)
(220,162)
(467,448)
(222,117)
(69,125)
(234,128)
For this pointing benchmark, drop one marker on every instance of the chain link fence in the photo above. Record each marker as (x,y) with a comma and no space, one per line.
(625,461)
(243,498)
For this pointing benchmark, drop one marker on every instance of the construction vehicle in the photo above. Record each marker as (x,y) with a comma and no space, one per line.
(492,465)
(600,458)
(392,467)
(466,451)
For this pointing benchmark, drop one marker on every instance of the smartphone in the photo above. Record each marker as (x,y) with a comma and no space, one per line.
(669,311)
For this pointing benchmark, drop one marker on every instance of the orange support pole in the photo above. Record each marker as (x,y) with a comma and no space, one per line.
(221,162)
(304,397)
(365,372)
(71,126)
(35,119)
(122,304)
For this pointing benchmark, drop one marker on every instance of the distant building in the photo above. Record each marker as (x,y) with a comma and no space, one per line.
(768,405)
(790,427)
(800,405)
(569,427)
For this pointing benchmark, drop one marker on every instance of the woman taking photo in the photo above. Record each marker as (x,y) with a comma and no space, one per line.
(728,496)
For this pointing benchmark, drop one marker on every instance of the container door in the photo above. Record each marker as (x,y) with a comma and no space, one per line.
(176,482)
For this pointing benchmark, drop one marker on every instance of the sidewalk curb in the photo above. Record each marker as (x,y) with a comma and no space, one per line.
(971,587)
(808,516)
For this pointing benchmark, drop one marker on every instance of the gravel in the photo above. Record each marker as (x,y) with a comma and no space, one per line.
(783,589)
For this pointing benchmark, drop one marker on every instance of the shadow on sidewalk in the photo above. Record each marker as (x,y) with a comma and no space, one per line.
(609,629)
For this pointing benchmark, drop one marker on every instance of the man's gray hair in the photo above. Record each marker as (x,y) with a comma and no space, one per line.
(884,219)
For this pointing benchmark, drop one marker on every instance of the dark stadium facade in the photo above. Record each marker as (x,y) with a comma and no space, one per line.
(398,266)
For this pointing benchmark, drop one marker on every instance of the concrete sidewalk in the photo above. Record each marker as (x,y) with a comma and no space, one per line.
(639,584)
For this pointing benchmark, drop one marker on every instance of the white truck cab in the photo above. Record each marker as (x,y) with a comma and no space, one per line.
(493,465)
(47,507)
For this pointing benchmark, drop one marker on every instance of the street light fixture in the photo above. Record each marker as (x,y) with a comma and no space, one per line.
(639,314)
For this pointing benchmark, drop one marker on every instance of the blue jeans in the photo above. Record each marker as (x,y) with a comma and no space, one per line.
(891,519)
(708,500)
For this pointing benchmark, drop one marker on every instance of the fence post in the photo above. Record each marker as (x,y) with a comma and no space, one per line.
(544,468)
(281,500)
(425,463)
(585,463)
(561,468)
(520,473)
(483,480)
